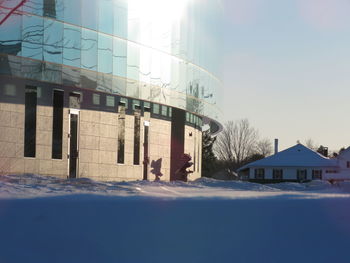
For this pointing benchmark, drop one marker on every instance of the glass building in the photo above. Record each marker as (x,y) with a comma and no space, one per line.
(114,73)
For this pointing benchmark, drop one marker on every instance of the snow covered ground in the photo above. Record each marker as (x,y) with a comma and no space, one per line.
(45,219)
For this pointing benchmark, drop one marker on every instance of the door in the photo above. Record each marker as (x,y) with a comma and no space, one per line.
(73,143)
(145,151)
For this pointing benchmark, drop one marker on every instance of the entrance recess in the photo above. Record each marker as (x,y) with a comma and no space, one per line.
(177,142)
(145,151)
(73,143)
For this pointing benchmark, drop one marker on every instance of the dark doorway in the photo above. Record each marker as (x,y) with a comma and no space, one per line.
(145,152)
(73,144)
(30,121)
(177,141)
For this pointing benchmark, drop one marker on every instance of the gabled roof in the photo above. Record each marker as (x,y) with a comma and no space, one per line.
(296,156)
(344,153)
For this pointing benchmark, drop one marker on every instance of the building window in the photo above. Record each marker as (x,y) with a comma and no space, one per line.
(30,121)
(170,114)
(317,174)
(164,110)
(124,102)
(200,122)
(110,101)
(301,174)
(121,134)
(277,174)
(96,99)
(156,108)
(57,125)
(10,90)
(259,173)
(348,164)
(147,106)
(136,105)
(137,131)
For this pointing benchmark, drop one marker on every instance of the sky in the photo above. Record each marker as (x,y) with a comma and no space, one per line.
(286,68)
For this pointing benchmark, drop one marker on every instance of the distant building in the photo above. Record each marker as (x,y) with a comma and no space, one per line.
(297,164)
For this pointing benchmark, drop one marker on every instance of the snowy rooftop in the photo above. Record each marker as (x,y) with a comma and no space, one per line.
(296,156)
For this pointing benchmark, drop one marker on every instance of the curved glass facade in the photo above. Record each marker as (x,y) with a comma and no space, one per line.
(158,51)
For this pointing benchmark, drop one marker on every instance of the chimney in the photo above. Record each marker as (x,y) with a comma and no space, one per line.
(276,146)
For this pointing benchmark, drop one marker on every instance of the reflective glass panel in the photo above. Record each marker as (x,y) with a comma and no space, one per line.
(88,79)
(72,11)
(10,35)
(89,49)
(53,41)
(71,45)
(120,19)
(104,82)
(105,54)
(89,13)
(32,37)
(71,76)
(53,9)
(105,16)
(52,72)
(119,57)
(34,7)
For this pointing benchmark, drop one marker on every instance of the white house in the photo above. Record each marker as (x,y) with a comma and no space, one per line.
(297,163)
(343,171)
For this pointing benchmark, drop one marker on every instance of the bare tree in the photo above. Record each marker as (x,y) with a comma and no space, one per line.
(309,143)
(236,142)
(264,147)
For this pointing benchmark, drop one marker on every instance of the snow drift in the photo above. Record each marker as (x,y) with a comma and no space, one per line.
(45,219)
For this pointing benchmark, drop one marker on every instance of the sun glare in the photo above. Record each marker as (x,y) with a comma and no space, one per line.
(160,9)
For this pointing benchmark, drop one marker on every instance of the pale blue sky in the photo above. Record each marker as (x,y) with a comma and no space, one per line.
(287,68)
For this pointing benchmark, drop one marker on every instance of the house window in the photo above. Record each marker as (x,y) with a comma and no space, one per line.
(277,174)
(316,174)
(348,164)
(301,174)
(331,171)
(259,173)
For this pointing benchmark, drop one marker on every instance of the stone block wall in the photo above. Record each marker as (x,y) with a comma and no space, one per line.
(193,147)
(12,158)
(160,140)
(98,135)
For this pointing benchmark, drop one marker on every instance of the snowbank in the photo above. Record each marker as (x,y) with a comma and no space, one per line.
(50,220)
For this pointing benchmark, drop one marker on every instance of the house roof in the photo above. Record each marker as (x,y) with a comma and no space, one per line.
(345,152)
(296,156)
